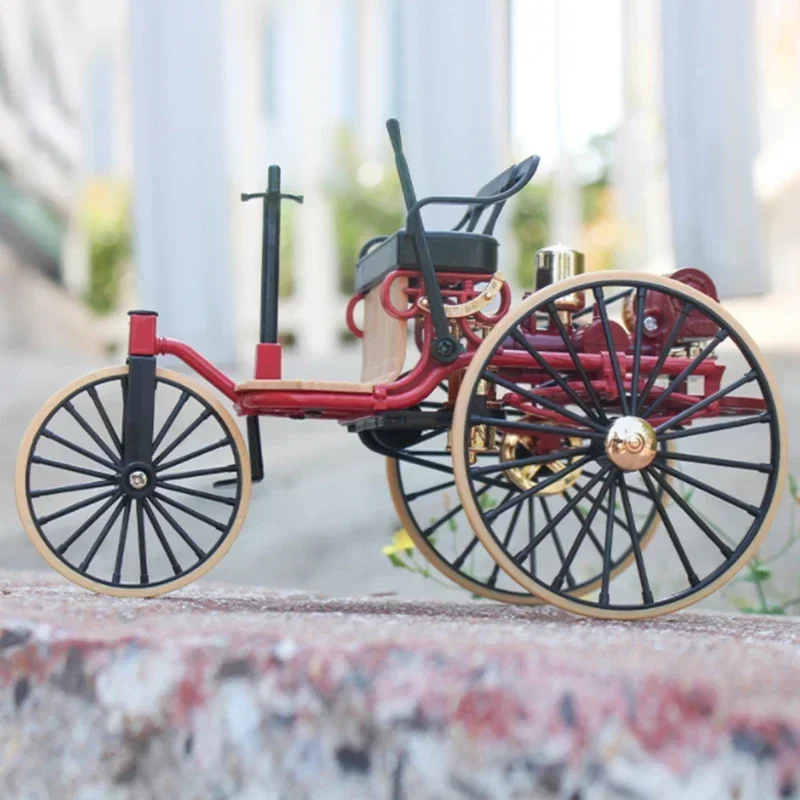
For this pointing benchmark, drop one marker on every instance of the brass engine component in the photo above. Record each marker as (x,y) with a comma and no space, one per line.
(557,263)
(631,443)
(472,306)
(482,438)
(526,477)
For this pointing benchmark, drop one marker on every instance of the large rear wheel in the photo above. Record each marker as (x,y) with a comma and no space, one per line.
(727,467)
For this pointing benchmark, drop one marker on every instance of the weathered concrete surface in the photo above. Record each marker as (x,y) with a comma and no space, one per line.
(245,693)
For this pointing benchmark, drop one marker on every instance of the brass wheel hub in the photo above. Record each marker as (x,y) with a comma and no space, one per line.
(516,446)
(631,443)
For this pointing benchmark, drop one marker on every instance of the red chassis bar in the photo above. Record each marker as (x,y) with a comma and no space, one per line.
(415,386)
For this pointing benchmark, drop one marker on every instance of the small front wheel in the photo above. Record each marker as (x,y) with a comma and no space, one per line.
(132,529)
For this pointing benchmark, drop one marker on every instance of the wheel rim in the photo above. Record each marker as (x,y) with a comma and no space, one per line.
(763,478)
(429,509)
(132,529)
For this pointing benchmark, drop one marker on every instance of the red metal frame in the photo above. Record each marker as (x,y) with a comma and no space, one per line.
(412,388)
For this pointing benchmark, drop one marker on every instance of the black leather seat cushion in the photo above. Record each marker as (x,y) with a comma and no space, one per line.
(451,251)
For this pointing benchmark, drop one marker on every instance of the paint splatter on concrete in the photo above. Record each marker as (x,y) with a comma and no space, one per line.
(222,692)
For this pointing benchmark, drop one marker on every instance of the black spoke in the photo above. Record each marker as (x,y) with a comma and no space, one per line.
(543,484)
(696,430)
(582,518)
(600,303)
(76,507)
(632,489)
(436,467)
(198,551)
(637,348)
(433,527)
(101,537)
(665,350)
(542,401)
(49,462)
(544,458)
(536,427)
(576,359)
(144,578)
(101,411)
(228,501)
(671,532)
(647,594)
(604,509)
(187,510)
(197,473)
(521,340)
(76,487)
(182,400)
(717,462)
(691,513)
(712,398)
(123,535)
(195,454)
(90,432)
(708,489)
(430,490)
(531,535)
(65,545)
(176,567)
(78,449)
(608,545)
(585,530)
(686,371)
(609,300)
(512,524)
(552,522)
(571,582)
(178,440)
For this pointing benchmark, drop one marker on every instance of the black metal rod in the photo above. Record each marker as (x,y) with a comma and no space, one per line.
(270,256)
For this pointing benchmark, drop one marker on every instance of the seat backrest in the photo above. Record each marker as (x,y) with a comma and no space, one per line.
(505,180)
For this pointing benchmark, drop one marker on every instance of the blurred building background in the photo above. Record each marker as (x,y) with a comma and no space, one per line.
(127,130)
(668,133)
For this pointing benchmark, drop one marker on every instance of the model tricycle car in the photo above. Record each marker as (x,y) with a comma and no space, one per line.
(612,444)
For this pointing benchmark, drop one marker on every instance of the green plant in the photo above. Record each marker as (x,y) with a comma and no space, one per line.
(758,573)
(366,201)
(530,222)
(107,223)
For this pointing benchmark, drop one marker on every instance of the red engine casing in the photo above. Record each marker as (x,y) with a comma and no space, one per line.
(666,310)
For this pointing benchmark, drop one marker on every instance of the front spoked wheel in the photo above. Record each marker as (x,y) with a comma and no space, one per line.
(132,529)
(707,393)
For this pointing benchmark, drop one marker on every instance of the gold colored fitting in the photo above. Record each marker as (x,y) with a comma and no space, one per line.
(528,476)
(557,263)
(631,443)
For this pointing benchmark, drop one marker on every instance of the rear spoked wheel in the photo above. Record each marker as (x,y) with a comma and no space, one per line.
(723,477)
(427,503)
(132,528)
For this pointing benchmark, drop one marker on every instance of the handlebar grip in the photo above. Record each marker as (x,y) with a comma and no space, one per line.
(393,126)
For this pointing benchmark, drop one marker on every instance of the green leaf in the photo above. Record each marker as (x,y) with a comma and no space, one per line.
(793,488)
(397,561)
(451,523)
(758,572)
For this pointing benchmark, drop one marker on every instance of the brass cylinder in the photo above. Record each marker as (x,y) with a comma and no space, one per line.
(557,263)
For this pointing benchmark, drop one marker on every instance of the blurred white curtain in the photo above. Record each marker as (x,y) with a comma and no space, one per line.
(181,187)
(712,136)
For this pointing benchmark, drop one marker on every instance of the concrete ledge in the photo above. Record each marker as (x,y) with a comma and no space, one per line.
(236,693)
